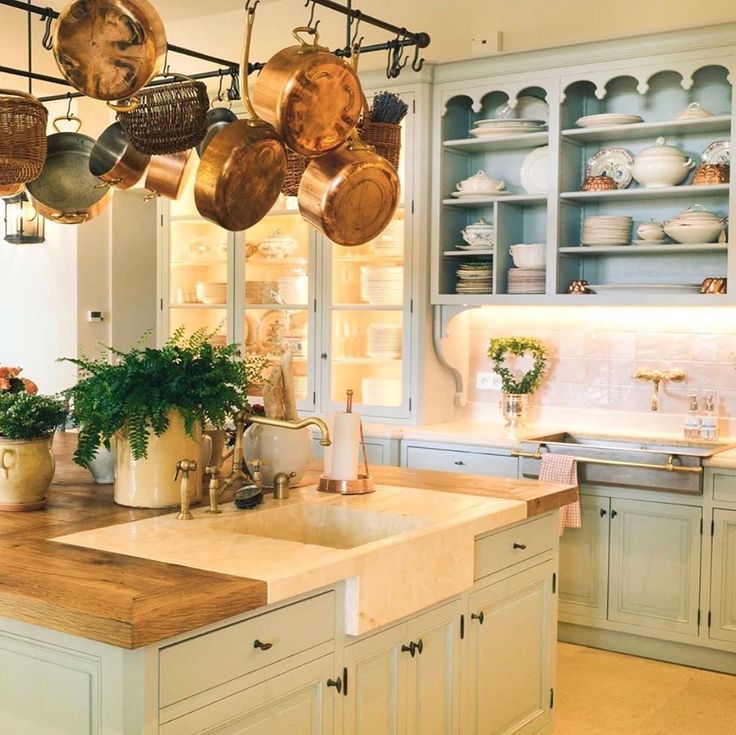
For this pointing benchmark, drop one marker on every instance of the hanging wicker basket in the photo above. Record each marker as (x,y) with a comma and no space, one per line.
(295,166)
(384,137)
(168,118)
(22,137)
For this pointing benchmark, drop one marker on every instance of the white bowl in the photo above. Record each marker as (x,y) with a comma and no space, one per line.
(529,255)
(689,234)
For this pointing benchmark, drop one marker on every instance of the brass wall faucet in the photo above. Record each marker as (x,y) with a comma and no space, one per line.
(657,377)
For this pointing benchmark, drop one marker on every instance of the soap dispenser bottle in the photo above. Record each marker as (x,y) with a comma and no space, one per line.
(692,420)
(709,422)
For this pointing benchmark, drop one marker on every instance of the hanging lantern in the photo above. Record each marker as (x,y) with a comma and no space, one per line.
(23,224)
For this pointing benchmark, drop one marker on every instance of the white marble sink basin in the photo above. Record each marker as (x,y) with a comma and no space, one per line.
(321,525)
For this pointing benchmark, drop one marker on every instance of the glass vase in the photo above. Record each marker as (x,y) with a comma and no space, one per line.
(514,408)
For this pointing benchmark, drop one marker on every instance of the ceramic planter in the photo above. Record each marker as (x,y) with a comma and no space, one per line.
(282,450)
(149,482)
(102,466)
(26,470)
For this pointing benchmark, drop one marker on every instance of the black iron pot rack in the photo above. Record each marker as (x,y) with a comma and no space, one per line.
(395,47)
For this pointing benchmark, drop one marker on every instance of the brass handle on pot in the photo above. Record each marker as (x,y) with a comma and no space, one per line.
(127,106)
(315,45)
(151,195)
(108,184)
(69,218)
(71,118)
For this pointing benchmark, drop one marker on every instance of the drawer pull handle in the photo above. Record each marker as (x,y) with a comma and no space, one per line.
(261,645)
(480,617)
(519,546)
(337,683)
(459,462)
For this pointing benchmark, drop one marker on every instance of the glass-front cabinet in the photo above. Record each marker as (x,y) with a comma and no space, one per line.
(345,313)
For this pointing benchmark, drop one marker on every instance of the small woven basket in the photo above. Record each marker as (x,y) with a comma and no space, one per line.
(384,137)
(22,137)
(169,118)
(295,166)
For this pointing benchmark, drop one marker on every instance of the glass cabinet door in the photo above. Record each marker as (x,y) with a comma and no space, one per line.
(368,322)
(279,280)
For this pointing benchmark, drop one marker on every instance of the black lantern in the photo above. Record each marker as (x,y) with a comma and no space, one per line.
(23,224)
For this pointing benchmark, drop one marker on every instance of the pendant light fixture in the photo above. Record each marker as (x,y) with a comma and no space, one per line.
(23,224)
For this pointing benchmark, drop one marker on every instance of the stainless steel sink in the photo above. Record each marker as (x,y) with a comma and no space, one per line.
(669,466)
(321,525)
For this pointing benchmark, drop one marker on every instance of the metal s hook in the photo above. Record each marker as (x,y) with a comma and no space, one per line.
(46,41)
(233,93)
(354,39)
(219,86)
(68,106)
(395,56)
(251,5)
(311,22)
(418,61)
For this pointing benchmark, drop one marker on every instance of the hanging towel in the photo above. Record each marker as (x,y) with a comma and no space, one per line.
(562,468)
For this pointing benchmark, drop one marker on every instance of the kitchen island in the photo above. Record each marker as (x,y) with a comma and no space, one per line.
(317,647)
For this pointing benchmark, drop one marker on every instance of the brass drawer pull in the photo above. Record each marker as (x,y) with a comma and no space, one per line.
(261,645)
(519,546)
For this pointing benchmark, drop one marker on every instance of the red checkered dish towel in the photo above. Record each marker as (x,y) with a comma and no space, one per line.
(562,468)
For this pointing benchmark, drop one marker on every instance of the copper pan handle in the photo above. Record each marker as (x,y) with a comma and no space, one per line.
(312,32)
(107,184)
(151,196)
(127,106)
(248,33)
(71,118)
(69,218)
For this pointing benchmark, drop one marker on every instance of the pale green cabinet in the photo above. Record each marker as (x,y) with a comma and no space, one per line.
(655,565)
(405,679)
(509,667)
(723,577)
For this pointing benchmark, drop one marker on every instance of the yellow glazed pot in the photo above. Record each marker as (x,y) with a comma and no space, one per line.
(149,482)
(26,470)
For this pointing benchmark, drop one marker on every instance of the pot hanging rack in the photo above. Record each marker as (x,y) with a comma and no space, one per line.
(397,58)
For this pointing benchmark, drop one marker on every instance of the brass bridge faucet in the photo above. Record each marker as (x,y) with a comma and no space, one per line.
(218,485)
(657,377)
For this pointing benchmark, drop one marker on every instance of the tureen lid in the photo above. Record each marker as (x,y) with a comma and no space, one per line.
(660,149)
(480,224)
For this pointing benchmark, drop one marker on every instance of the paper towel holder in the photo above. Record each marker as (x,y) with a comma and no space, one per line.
(364,483)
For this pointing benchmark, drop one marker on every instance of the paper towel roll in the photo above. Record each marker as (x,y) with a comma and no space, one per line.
(345,447)
(329,418)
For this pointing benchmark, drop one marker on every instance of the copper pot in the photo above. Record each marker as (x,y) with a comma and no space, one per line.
(312,97)
(114,160)
(66,191)
(711,173)
(10,190)
(350,194)
(243,166)
(128,48)
(167,175)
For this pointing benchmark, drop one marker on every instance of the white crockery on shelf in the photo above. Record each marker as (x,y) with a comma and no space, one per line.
(693,112)
(527,107)
(607,118)
(719,151)
(651,231)
(278,245)
(529,255)
(535,171)
(211,292)
(695,225)
(661,165)
(480,183)
(479,234)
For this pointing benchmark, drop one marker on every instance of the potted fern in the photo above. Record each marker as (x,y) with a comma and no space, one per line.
(153,403)
(27,424)
(517,386)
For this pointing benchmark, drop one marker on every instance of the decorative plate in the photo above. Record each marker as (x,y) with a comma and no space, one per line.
(535,171)
(271,327)
(614,162)
(607,118)
(719,151)
(526,108)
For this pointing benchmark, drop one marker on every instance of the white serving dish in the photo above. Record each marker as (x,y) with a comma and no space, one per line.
(529,255)
(479,234)
(607,118)
(278,245)
(693,233)
(651,231)
(661,165)
(480,184)
(693,112)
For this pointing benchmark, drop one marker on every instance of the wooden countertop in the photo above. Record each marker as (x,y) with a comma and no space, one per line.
(130,602)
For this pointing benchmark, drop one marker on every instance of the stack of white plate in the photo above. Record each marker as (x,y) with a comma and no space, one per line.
(475,278)
(294,289)
(526,280)
(607,230)
(381,391)
(384,341)
(300,387)
(382,284)
(495,127)
(211,292)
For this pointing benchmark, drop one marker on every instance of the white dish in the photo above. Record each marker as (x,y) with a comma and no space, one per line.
(535,171)
(473,247)
(719,151)
(672,288)
(607,118)
(526,108)
(494,121)
(493,132)
(480,197)
(614,162)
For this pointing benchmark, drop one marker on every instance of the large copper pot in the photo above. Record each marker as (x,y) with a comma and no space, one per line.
(243,167)
(168,175)
(66,191)
(312,97)
(109,49)
(114,160)
(350,194)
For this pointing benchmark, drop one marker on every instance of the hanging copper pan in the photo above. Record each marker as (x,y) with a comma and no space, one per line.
(10,190)
(114,160)
(168,175)
(312,97)
(243,167)
(109,49)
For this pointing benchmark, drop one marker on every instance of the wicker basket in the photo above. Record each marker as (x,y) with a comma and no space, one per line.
(22,137)
(385,138)
(169,118)
(295,166)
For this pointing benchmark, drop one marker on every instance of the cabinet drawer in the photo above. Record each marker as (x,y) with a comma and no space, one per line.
(501,549)
(214,658)
(455,460)
(724,488)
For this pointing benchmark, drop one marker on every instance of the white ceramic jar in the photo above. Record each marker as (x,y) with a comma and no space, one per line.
(661,165)
(479,234)
(529,255)
(651,230)
(479,184)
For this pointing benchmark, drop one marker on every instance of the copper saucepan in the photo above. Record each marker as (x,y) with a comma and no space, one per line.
(66,191)
(243,167)
(114,160)
(109,49)
(168,175)
(312,97)
(10,190)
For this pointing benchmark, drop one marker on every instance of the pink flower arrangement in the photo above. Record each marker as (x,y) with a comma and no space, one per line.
(11,383)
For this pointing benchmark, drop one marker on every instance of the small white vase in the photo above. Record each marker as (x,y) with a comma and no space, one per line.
(102,466)
(282,450)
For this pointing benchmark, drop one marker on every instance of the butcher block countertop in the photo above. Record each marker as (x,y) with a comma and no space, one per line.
(128,601)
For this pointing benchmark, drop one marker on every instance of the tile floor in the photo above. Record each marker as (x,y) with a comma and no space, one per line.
(603,693)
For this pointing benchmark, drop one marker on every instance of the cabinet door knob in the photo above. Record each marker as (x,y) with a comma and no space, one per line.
(324,355)
(519,546)
(420,646)
(459,462)
(614,513)
(261,645)
(410,649)
(603,512)
(480,617)
(337,683)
